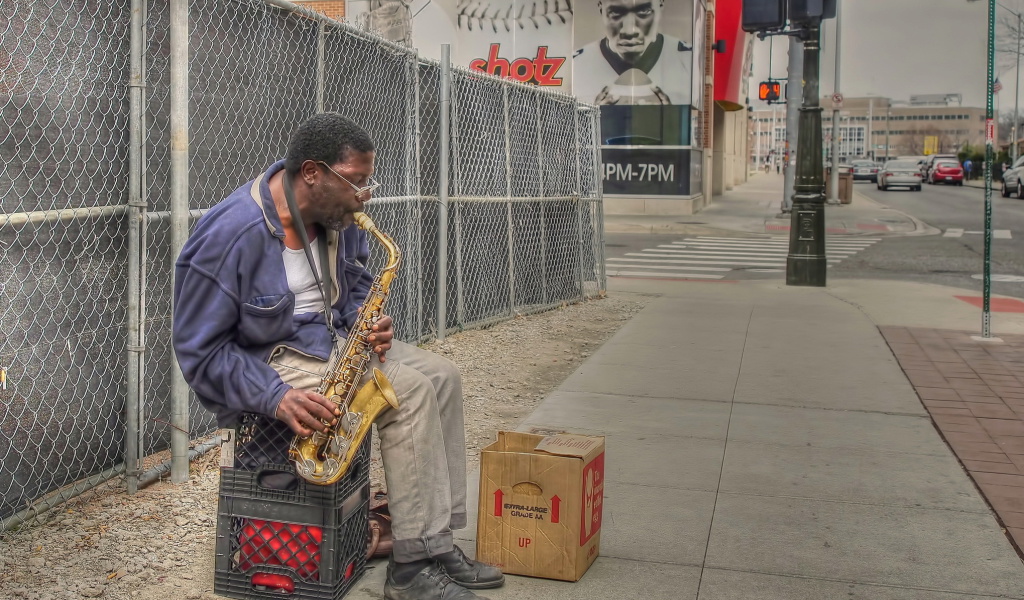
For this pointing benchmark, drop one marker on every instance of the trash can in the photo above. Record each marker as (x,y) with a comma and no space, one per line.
(845,185)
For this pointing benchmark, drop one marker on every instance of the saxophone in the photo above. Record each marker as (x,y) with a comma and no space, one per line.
(324,458)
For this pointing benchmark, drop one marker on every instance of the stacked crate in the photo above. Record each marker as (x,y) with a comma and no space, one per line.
(278,534)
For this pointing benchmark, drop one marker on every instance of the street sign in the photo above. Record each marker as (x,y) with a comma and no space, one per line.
(837,100)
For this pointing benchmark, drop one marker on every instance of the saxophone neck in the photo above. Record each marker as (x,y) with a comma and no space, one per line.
(364,222)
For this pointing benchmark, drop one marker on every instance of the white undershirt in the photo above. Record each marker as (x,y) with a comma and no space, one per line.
(300,279)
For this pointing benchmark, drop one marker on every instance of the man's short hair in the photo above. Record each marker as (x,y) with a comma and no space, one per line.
(328,137)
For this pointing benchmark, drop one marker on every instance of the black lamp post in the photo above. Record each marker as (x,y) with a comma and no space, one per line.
(806,264)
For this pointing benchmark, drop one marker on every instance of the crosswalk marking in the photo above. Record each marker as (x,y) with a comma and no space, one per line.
(727,257)
(772,245)
(627,262)
(739,250)
(999,234)
(614,273)
(711,260)
(699,257)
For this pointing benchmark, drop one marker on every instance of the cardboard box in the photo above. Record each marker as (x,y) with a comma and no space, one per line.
(541,500)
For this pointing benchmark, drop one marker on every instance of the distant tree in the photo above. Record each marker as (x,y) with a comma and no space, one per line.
(1006,126)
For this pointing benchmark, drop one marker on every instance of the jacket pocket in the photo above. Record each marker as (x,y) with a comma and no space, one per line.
(266,319)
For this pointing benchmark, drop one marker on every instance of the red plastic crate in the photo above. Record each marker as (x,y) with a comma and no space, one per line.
(266,549)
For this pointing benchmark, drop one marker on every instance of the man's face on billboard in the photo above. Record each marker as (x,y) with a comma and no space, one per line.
(630,25)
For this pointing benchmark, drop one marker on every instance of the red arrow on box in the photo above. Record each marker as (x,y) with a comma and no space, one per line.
(498,495)
(555,503)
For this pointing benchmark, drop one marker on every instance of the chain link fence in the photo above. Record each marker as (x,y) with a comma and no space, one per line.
(510,224)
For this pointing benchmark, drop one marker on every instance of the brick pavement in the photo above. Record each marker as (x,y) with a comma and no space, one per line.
(974,392)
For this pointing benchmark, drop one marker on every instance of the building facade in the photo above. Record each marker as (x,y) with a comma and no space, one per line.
(877,128)
(335,9)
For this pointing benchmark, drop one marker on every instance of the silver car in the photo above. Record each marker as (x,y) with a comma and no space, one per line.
(900,173)
(1013,179)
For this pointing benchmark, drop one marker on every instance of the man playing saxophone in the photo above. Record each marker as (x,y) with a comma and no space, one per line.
(252,334)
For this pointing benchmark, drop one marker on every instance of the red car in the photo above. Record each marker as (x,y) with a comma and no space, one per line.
(947,172)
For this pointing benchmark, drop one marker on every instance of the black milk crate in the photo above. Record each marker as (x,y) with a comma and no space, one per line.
(273,548)
(262,470)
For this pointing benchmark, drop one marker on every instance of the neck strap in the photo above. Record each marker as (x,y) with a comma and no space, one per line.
(299,226)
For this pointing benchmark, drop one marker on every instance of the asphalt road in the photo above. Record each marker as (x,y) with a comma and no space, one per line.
(952,257)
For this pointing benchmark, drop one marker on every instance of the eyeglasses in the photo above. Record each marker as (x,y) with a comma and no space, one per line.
(362,193)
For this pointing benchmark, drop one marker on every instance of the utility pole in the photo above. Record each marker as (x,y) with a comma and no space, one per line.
(757,153)
(794,92)
(888,114)
(833,197)
(986,314)
(806,263)
(1016,95)
(775,142)
(871,126)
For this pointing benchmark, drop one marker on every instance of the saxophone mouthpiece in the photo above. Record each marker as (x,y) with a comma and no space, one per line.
(363,220)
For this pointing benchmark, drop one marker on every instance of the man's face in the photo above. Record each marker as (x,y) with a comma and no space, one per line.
(630,25)
(334,200)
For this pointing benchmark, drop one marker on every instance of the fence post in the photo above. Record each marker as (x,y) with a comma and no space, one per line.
(454,134)
(595,117)
(136,205)
(543,205)
(321,44)
(579,204)
(442,192)
(179,215)
(416,184)
(508,208)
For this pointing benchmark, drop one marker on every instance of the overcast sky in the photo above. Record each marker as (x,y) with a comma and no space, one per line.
(898,48)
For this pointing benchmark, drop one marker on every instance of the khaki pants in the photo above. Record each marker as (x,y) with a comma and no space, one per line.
(423,443)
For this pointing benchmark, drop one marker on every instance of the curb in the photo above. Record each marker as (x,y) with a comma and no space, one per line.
(920,227)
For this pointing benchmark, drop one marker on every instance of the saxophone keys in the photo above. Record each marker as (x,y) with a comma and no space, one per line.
(350,422)
(338,447)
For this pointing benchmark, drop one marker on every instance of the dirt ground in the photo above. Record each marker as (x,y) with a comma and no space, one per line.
(159,543)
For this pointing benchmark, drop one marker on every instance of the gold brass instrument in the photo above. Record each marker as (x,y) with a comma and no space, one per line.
(324,458)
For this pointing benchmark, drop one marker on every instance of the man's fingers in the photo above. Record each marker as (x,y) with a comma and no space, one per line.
(331,408)
(320,408)
(311,421)
(301,430)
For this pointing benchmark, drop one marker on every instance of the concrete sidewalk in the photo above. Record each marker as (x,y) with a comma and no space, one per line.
(763,443)
(755,207)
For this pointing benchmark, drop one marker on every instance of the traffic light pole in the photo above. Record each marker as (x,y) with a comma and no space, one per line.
(806,263)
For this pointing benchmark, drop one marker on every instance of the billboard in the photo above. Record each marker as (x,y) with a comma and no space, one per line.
(636,59)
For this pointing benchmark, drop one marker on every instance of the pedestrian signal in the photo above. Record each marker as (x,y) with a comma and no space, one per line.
(763,15)
(769,91)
